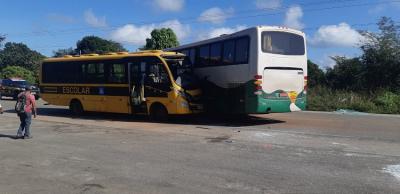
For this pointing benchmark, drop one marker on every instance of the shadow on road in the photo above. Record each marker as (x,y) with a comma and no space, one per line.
(200,119)
(8,136)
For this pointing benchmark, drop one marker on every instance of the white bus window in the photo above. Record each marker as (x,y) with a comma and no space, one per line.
(242,50)
(228,52)
(192,55)
(215,54)
(282,43)
(204,55)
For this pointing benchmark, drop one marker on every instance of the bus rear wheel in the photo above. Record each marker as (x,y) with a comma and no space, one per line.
(76,108)
(158,113)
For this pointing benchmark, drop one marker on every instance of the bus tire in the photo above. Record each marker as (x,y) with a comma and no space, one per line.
(158,113)
(76,108)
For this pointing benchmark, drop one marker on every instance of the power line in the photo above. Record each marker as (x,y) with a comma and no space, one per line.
(195,18)
(306,29)
(192,20)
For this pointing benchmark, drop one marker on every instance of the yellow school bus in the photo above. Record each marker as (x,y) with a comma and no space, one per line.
(152,82)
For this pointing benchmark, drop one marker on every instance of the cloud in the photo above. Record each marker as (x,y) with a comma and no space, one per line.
(169,5)
(55,17)
(268,4)
(341,35)
(181,30)
(220,31)
(293,17)
(216,15)
(93,20)
(136,35)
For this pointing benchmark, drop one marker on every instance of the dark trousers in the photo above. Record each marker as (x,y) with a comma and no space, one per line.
(24,127)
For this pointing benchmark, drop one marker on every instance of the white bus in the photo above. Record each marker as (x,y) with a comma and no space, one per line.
(261,69)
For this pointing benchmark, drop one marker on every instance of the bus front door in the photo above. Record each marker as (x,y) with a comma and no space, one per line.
(137,99)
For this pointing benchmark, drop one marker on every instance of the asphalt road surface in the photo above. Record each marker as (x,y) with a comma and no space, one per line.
(302,152)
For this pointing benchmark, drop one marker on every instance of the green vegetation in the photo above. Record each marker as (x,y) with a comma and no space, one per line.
(19,54)
(16,71)
(89,45)
(322,98)
(63,52)
(369,83)
(19,59)
(161,39)
(94,44)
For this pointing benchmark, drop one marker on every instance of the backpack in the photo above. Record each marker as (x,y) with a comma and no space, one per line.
(20,105)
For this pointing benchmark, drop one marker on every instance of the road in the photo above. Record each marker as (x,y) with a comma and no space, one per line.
(302,152)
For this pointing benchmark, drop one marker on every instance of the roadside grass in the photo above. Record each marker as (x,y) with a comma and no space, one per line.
(321,98)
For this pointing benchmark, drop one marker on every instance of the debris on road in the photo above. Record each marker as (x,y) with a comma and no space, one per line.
(394,170)
(349,112)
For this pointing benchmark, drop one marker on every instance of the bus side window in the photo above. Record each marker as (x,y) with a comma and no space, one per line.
(157,74)
(116,73)
(228,52)
(134,72)
(242,50)
(203,57)
(192,55)
(215,54)
(94,72)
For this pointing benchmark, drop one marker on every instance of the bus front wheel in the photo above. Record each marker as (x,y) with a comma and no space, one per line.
(76,108)
(158,113)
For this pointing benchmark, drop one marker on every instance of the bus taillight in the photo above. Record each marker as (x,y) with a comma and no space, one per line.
(257,84)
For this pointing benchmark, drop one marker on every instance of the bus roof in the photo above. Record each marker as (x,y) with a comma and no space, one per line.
(238,33)
(114,55)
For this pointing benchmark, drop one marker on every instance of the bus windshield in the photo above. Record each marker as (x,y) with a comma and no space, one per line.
(282,43)
(183,75)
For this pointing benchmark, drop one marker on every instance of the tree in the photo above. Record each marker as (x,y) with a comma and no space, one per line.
(315,75)
(16,71)
(347,74)
(381,56)
(62,52)
(18,54)
(94,44)
(161,39)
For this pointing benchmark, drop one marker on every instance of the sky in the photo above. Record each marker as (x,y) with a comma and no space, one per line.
(332,26)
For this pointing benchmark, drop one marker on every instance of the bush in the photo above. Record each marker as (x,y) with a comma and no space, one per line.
(388,102)
(321,98)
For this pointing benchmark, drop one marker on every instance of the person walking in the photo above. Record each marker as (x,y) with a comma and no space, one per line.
(1,108)
(26,116)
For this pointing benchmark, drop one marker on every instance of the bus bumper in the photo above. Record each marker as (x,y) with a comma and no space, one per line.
(262,105)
